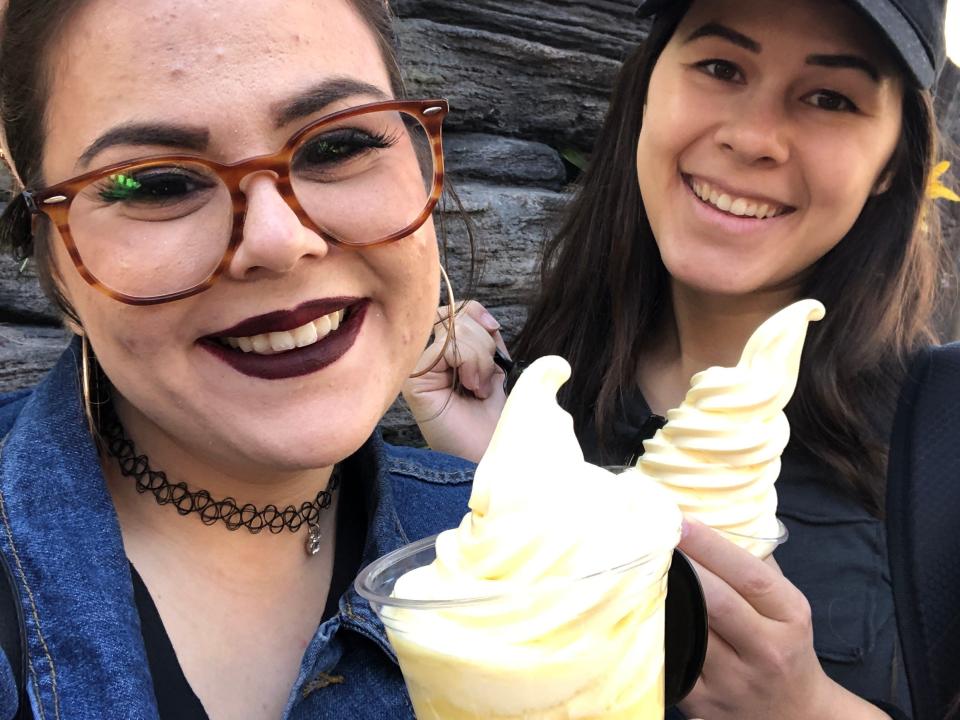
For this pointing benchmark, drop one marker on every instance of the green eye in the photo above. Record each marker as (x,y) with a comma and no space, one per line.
(121,187)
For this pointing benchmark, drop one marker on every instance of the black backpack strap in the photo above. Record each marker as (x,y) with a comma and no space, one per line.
(923,528)
(13,635)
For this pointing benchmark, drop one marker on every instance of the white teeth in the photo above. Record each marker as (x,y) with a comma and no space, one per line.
(323,326)
(305,335)
(261,344)
(743,207)
(283,341)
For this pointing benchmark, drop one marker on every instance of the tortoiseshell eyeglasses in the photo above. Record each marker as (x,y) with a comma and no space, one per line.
(166,227)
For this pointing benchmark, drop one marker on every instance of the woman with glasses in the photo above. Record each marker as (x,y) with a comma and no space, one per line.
(231,204)
(755,152)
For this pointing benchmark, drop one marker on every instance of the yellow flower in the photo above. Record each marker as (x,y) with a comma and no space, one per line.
(936,190)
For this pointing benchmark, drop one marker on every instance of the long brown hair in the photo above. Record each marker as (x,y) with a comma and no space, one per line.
(28,30)
(605,291)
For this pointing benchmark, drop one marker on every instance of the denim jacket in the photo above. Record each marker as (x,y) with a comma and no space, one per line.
(60,537)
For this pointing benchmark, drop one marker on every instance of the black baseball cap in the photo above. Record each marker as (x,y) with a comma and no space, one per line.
(913,27)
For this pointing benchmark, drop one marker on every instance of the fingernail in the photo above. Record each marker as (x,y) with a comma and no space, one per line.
(489,321)
(684,529)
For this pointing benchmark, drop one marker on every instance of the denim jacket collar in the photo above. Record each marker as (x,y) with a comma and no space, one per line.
(61,538)
(60,535)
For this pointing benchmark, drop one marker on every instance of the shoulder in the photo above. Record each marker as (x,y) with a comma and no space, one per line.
(430,489)
(939,363)
(930,390)
(923,499)
(10,406)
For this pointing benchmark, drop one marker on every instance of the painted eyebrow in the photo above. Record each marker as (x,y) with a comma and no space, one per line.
(714,29)
(174,136)
(320,96)
(183,137)
(854,62)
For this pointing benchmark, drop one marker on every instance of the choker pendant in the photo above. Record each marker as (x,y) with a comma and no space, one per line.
(314,536)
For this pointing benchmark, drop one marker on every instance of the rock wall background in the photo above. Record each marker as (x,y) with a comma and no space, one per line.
(528,84)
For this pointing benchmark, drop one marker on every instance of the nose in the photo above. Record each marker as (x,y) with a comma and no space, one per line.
(274,239)
(756,132)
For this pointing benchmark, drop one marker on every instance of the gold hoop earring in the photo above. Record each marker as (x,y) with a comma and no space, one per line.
(451,326)
(86,381)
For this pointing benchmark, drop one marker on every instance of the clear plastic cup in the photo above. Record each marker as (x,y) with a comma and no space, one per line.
(760,547)
(587,648)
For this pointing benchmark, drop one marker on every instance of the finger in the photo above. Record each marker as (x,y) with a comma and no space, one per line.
(721,659)
(729,615)
(500,344)
(718,681)
(433,359)
(761,585)
(472,354)
(480,315)
(478,372)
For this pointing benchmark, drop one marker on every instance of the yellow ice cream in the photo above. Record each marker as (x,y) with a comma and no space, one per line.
(576,559)
(719,453)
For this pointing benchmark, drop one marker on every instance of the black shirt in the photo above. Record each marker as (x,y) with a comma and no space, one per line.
(836,555)
(175,698)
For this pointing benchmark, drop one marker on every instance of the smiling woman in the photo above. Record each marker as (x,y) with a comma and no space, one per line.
(231,203)
(756,152)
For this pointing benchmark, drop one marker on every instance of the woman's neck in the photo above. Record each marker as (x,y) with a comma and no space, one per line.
(703,330)
(216,472)
(141,515)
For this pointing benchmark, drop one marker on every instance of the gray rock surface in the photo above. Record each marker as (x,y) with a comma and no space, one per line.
(20,296)
(27,352)
(503,161)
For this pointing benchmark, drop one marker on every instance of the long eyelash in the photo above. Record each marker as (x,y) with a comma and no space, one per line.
(120,187)
(852,106)
(381,140)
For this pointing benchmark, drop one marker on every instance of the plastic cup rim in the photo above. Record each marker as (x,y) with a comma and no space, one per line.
(780,539)
(381,564)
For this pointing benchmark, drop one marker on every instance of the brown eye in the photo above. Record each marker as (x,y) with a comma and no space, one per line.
(156,186)
(721,70)
(831,101)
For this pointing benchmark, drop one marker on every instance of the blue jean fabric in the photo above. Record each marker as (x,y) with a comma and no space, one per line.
(60,536)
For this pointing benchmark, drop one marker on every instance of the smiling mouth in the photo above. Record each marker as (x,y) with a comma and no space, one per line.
(288,344)
(736,206)
(273,343)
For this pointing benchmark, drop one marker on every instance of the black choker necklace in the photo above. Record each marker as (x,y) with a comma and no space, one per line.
(212,511)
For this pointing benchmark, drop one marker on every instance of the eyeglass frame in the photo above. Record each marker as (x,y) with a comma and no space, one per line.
(54,201)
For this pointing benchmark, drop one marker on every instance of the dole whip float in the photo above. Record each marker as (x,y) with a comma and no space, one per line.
(573,560)
(719,453)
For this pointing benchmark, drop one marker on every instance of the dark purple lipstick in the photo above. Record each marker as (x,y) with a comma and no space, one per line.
(299,361)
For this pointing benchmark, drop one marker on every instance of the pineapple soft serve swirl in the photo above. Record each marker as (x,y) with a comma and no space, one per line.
(719,453)
(561,641)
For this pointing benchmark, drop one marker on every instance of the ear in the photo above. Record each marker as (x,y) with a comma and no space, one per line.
(73,326)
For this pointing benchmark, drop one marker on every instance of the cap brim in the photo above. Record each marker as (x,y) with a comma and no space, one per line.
(891,23)
(886,18)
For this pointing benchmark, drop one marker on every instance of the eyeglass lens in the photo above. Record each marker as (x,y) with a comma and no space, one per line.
(157,229)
